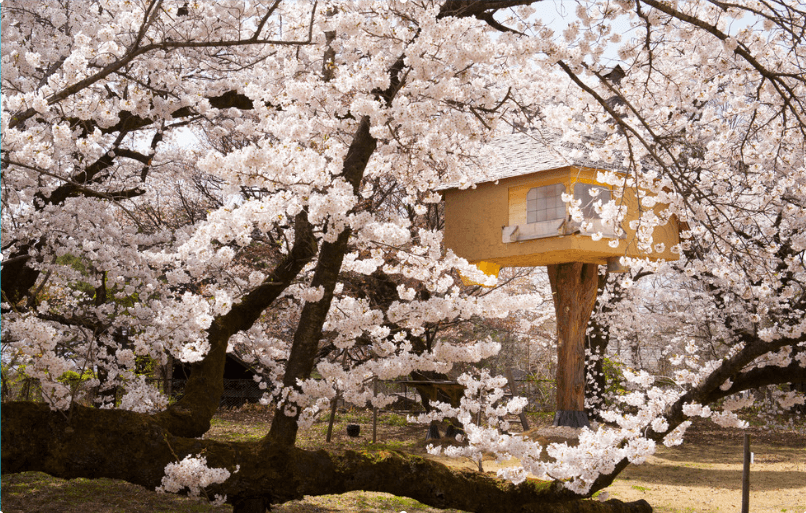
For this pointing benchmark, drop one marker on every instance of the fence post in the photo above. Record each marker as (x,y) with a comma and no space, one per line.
(333,406)
(746,475)
(514,392)
(374,411)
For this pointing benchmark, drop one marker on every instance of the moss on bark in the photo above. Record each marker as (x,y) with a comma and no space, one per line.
(124,445)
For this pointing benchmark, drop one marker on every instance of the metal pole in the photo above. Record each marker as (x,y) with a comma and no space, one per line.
(374,411)
(746,476)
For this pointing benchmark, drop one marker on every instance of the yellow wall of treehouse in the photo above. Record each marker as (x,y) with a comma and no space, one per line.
(474,219)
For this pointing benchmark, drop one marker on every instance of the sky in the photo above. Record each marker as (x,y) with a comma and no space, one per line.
(558,14)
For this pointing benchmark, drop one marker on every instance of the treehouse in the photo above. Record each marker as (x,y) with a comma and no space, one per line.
(516,217)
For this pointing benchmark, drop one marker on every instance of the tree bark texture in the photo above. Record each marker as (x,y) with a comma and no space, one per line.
(17,276)
(132,447)
(596,342)
(573,287)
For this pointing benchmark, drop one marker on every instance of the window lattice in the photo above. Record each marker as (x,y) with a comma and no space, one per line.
(545,203)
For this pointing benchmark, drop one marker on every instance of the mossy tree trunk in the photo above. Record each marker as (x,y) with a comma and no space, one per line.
(190,416)
(133,447)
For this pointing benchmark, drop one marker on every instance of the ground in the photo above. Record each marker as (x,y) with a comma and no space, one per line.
(703,475)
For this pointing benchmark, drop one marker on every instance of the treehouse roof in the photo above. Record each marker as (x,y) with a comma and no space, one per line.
(523,153)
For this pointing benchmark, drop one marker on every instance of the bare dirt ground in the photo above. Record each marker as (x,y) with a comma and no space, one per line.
(703,475)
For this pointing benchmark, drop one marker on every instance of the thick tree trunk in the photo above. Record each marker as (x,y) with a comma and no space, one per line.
(190,416)
(573,287)
(596,343)
(16,276)
(130,446)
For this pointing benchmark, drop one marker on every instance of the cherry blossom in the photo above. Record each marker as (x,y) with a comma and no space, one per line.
(182,179)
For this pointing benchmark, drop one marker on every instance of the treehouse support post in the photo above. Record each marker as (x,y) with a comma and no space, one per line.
(573,287)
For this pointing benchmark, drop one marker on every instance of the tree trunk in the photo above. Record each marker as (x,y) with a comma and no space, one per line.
(38,439)
(168,389)
(309,329)
(573,286)
(17,276)
(596,343)
(190,416)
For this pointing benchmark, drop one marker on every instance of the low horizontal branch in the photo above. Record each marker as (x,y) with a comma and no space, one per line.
(94,443)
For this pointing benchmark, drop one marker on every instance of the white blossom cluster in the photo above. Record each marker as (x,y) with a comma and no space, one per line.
(194,474)
(143,397)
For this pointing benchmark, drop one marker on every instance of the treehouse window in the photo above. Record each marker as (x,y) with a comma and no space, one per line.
(590,195)
(545,203)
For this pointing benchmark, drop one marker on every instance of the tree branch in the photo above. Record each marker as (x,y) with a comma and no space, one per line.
(37,439)
(760,377)
(190,416)
(19,118)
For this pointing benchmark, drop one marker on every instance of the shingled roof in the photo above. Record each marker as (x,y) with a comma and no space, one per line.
(522,153)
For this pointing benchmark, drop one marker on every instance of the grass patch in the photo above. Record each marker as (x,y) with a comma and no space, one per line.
(391,445)
(393,419)
(354,417)
(35,491)
(640,488)
(231,431)
(359,502)
(541,417)
(697,465)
